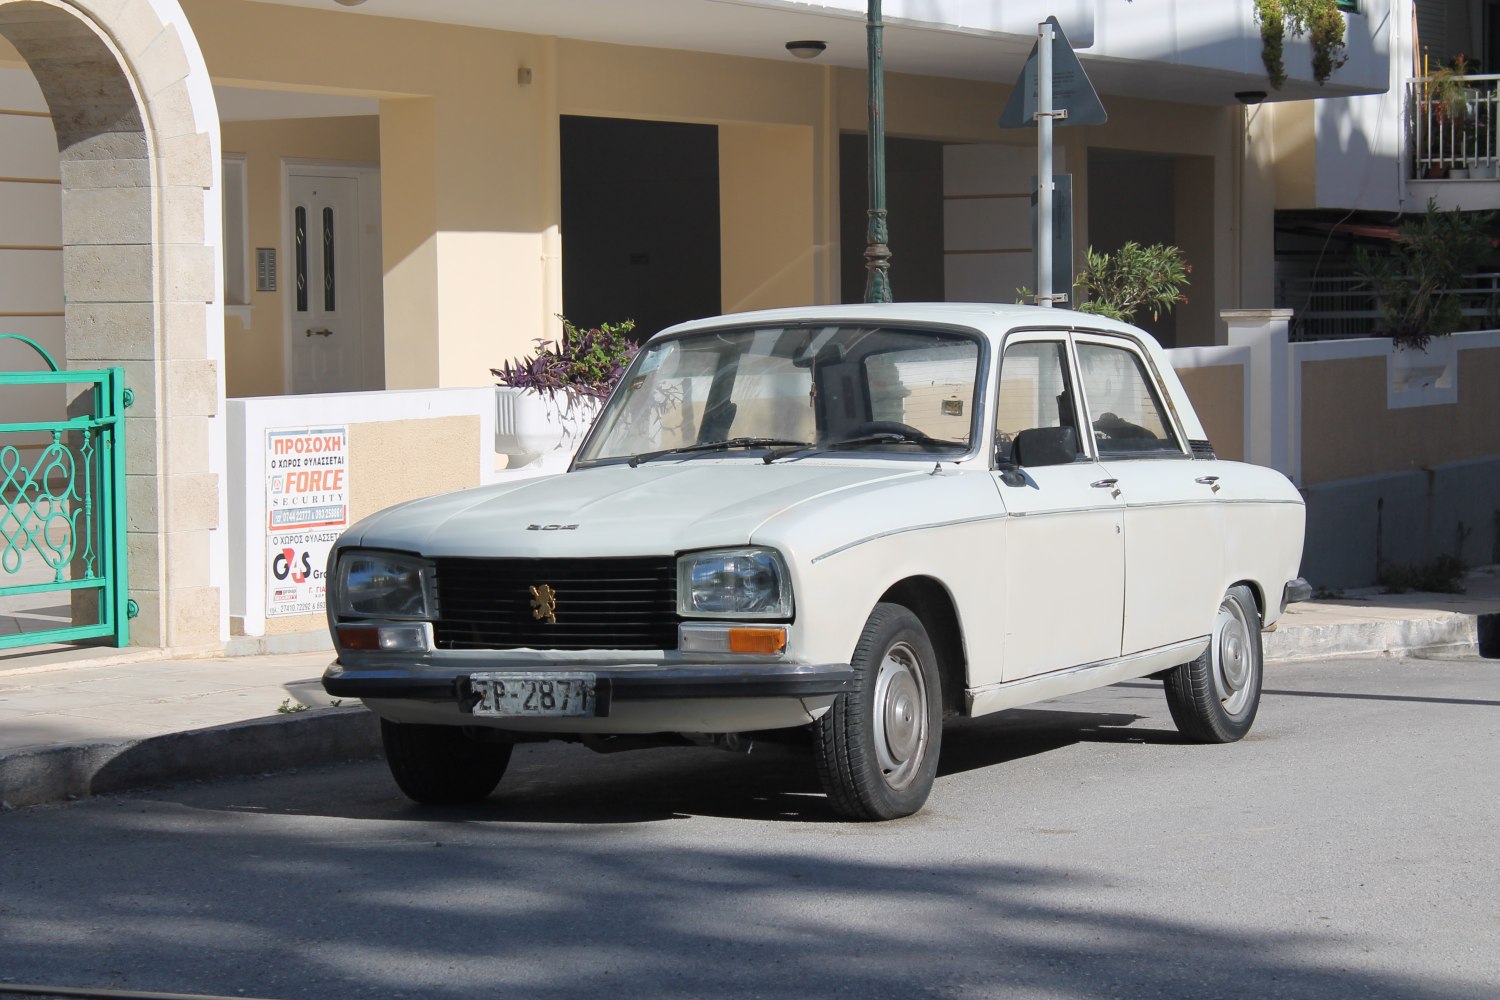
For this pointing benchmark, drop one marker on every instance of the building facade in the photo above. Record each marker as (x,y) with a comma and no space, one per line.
(237,198)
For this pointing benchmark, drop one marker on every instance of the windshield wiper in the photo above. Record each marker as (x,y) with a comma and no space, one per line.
(738,442)
(883,437)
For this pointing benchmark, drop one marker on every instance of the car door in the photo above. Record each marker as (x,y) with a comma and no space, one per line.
(1064,562)
(1173,516)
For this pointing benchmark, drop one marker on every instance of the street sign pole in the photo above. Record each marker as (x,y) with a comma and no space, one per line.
(1052,90)
(1044,165)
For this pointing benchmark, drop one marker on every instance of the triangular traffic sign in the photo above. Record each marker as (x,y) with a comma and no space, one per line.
(1071,89)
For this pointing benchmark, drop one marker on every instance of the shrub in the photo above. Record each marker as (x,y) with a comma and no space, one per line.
(1134,278)
(1416,286)
(583,362)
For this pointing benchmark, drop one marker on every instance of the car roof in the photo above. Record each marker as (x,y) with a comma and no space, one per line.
(993,319)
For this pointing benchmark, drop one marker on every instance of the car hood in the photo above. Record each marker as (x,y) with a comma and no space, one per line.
(658,508)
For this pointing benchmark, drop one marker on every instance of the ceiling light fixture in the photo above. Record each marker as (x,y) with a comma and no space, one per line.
(806,49)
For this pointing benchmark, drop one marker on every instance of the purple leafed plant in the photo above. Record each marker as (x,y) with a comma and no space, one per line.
(586,362)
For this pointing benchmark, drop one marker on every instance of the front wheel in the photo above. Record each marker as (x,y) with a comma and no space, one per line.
(442,765)
(1214,698)
(877,747)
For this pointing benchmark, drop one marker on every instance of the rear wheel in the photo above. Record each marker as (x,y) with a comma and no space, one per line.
(1214,698)
(877,747)
(442,764)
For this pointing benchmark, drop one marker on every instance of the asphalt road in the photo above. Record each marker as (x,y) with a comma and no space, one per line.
(1347,848)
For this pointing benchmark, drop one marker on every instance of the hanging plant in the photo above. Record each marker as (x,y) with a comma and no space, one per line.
(1320,20)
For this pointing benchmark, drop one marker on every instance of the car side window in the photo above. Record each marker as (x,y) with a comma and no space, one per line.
(1034,423)
(1127,415)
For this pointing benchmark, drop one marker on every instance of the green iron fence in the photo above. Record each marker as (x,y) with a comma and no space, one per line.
(62,507)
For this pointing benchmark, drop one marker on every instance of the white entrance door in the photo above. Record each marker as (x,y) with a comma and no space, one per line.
(333,332)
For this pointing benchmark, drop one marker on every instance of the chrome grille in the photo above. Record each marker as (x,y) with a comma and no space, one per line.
(626,603)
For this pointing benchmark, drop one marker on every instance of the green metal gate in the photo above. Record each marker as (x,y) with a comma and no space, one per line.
(62,506)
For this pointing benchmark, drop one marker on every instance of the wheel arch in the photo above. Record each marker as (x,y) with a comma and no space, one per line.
(928,599)
(1256,591)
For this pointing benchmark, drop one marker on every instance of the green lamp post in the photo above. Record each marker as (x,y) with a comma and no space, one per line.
(877,252)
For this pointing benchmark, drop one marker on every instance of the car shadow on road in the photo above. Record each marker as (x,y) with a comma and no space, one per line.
(565,784)
(971,744)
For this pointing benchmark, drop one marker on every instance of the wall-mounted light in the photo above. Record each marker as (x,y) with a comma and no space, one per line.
(806,48)
(523,76)
(1250,96)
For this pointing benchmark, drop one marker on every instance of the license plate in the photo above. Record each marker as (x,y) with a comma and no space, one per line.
(508,695)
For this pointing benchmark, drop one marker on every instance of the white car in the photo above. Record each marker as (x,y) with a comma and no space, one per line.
(858,519)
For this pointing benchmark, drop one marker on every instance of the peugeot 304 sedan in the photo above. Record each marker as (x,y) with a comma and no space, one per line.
(857,520)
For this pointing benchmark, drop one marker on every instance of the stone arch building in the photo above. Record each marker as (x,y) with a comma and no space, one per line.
(137,136)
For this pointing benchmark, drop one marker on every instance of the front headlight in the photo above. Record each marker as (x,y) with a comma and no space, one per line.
(733,583)
(383,585)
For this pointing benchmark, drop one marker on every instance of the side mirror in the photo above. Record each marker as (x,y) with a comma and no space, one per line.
(1039,446)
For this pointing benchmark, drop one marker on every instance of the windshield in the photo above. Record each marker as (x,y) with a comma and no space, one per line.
(794,390)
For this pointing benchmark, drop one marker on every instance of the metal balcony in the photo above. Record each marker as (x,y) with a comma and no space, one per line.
(1455,142)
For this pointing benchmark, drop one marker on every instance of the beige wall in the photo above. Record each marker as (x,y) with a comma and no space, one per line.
(1348,432)
(447,446)
(1218,397)
(254,355)
(1291,133)
(469,158)
(467,203)
(766,215)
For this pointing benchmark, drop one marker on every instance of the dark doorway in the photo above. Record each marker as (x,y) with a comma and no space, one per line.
(914,206)
(640,222)
(1133,196)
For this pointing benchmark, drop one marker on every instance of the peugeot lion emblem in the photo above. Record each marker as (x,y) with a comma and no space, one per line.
(544,603)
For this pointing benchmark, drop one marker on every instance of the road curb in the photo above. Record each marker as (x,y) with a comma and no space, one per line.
(1452,634)
(76,770)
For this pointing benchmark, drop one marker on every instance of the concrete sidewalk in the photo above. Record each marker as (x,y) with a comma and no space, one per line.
(89,721)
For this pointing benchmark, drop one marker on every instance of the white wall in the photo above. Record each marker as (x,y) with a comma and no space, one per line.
(249,419)
(1361,140)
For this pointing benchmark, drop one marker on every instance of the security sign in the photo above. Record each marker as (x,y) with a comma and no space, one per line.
(307,508)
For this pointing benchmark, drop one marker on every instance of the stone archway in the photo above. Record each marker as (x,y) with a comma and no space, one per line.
(137,136)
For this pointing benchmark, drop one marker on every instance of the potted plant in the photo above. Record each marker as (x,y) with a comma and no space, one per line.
(1320,20)
(546,402)
(1417,288)
(1133,278)
(1447,105)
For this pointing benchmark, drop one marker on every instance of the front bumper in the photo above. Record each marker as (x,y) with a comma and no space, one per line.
(647,682)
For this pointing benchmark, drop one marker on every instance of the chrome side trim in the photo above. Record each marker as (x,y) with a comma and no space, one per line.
(1210,500)
(1071,680)
(901,531)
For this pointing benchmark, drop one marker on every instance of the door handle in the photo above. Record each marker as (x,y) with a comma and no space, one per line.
(1210,481)
(325,332)
(1113,485)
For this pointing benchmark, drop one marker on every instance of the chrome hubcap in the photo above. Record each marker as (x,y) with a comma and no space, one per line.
(1233,662)
(900,715)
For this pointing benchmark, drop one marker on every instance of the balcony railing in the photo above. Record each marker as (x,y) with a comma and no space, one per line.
(1336,308)
(1455,140)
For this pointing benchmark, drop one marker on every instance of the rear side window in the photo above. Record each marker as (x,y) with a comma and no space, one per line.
(1124,408)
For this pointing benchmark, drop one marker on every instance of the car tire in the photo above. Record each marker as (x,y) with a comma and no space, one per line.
(877,747)
(1214,698)
(442,765)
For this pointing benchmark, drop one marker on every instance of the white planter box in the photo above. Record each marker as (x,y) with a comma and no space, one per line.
(1423,378)
(540,432)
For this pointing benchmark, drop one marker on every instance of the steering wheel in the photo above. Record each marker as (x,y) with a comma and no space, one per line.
(890,427)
